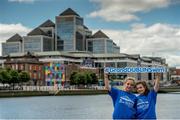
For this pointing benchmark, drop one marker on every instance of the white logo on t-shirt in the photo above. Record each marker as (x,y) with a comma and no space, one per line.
(127,101)
(142,104)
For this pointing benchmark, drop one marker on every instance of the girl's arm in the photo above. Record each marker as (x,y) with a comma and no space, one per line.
(156,83)
(106,82)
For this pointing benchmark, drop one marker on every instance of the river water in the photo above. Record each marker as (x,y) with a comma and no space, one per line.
(77,107)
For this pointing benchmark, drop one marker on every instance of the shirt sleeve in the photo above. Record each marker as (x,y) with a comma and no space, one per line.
(153,94)
(113,93)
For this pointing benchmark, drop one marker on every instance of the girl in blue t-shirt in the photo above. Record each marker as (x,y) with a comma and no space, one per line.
(123,100)
(146,100)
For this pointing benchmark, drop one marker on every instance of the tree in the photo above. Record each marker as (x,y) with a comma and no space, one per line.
(88,78)
(94,78)
(24,76)
(72,78)
(5,77)
(14,77)
(77,78)
(83,78)
(1,79)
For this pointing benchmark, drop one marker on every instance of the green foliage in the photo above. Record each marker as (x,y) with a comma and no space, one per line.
(83,78)
(88,79)
(8,69)
(24,76)
(14,76)
(72,78)
(94,78)
(5,77)
(9,76)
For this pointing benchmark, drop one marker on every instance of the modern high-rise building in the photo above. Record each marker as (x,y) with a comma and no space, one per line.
(71,32)
(12,45)
(40,39)
(101,43)
(69,42)
(67,34)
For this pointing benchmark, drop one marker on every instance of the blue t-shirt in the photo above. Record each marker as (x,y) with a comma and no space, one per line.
(146,105)
(124,104)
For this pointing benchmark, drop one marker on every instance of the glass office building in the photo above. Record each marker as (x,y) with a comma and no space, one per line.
(37,44)
(100,43)
(70,32)
(69,41)
(12,45)
(32,44)
(65,29)
(38,40)
(49,28)
(109,46)
(98,46)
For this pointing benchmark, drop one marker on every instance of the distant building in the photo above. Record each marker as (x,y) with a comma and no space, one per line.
(69,43)
(175,76)
(27,62)
(78,61)
(68,33)
(71,32)
(100,43)
(40,39)
(12,45)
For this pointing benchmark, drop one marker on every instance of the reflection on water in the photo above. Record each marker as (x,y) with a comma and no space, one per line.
(77,107)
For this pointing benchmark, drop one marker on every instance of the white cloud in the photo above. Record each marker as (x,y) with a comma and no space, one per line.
(157,40)
(125,10)
(8,30)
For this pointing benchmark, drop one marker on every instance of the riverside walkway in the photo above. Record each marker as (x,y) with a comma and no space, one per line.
(169,89)
(50,91)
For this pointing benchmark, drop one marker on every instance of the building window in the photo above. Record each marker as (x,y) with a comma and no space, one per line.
(35,75)
(30,74)
(40,68)
(39,75)
(37,67)
(32,44)
(30,67)
(16,66)
(13,67)
(22,67)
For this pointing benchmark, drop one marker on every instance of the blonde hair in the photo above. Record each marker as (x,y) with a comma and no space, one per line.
(129,78)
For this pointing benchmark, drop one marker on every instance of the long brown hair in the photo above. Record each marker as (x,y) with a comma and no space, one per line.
(144,84)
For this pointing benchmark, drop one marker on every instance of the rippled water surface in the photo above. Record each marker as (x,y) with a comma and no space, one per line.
(77,107)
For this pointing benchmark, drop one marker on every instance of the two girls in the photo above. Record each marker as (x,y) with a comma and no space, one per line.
(127,105)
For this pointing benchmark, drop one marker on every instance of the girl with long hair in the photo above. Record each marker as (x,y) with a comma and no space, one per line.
(146,100)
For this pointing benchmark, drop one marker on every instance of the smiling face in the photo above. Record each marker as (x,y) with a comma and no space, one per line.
(129,85)
(140,88)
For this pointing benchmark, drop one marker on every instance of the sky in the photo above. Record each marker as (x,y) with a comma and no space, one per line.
(145,27)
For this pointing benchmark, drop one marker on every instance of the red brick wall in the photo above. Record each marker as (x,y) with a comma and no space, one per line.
(177,71)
